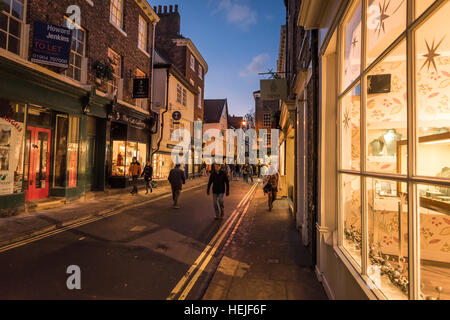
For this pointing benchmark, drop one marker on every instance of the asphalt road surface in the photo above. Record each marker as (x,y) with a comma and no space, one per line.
(141,253)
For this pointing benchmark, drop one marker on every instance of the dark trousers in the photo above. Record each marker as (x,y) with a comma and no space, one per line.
(148,185)
(135,189)
(218,203)
(175,195)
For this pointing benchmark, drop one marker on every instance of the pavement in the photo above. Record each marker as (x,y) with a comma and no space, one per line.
(265,259)
(51,215)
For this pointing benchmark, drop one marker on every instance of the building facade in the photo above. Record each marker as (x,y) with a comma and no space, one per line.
(56,111)
(384,125)
(215,118)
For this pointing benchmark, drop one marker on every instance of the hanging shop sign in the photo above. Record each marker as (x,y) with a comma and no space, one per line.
(141,88)
(273,89)
(51,45)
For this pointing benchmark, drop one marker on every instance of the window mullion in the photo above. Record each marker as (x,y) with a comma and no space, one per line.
(364,217)
(413,217)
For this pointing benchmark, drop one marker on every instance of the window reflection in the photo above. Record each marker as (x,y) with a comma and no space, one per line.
(352,47)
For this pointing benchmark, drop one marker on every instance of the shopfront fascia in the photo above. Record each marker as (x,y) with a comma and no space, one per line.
(44,122)
(129,136)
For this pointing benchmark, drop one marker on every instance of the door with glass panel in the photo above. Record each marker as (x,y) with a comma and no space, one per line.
(37,157)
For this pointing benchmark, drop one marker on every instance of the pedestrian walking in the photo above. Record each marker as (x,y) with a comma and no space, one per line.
(147,173)
(250,172)
(203,168)
(236,171)
(220,186)
(271,187)
(176,179)
(258,169)
(245,172)
(135,172)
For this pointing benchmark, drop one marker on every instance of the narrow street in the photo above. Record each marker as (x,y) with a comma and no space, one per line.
(141,253)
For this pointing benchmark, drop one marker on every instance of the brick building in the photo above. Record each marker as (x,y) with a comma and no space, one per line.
(56,96)
(181,52)
(266,115)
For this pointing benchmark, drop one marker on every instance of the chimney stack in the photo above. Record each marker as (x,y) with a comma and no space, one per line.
(170,9)
(176,8)
(159,9)
(165,9)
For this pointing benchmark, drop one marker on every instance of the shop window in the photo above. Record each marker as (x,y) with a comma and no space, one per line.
(387,214)
(386,112)
(433,95)
(72,150)
(60,166)
(434,210)
(350,204)
(422,5)
(138,150)
(385,22)
(118,161)
(350,130)
(11,20)
(12,131)
(352,46)
(77,53)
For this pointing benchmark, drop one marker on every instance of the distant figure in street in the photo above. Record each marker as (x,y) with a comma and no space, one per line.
(147,173)
(203,168)
(258,169)
(271,187)
(220,185)
(176,179)
(237,171)
(250,172)
(135,172)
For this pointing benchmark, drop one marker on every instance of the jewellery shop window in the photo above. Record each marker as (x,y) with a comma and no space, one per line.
(379,181)
(11,147)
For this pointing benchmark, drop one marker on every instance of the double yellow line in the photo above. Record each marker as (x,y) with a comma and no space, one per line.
(205,257)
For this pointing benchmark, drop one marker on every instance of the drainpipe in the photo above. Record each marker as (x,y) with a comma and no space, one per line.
(152,86)
(164,112)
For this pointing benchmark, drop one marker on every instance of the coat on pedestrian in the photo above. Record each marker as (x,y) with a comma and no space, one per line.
(135,169)
(220,183)
(147,173)
(176,178)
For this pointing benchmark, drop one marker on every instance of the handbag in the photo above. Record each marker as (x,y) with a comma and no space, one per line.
(267,188)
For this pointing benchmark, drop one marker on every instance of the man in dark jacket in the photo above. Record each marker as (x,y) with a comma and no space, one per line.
(221,185)
(176,179)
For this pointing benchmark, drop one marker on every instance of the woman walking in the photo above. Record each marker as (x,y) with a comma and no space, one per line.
(148,177)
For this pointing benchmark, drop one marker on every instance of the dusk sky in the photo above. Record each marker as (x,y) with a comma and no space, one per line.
(238,39)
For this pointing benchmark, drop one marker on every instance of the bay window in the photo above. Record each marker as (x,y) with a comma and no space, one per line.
(394,146)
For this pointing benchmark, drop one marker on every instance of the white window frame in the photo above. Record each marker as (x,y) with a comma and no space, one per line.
(114,84)
(116,9)
(200,95)
(21,25)
(200,72)
(192,62)
(143,34)
(75,53)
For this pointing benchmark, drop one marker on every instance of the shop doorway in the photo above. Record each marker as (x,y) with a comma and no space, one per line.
(37,163)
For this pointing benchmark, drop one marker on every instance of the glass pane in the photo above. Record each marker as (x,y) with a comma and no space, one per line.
(17,10)
(13,45)
(5,5)
(118,161)
(350,130)
(77,74)
(2,40)
(11,146)
(386,21)
(3,22)
(422,5)
(72,150)
(387,209)
(14,27)
(433,92)
(434,206)
(351,213)
(61,151)
(41,160)
(386,112)
(352,47)
(142,154)
(132,151)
